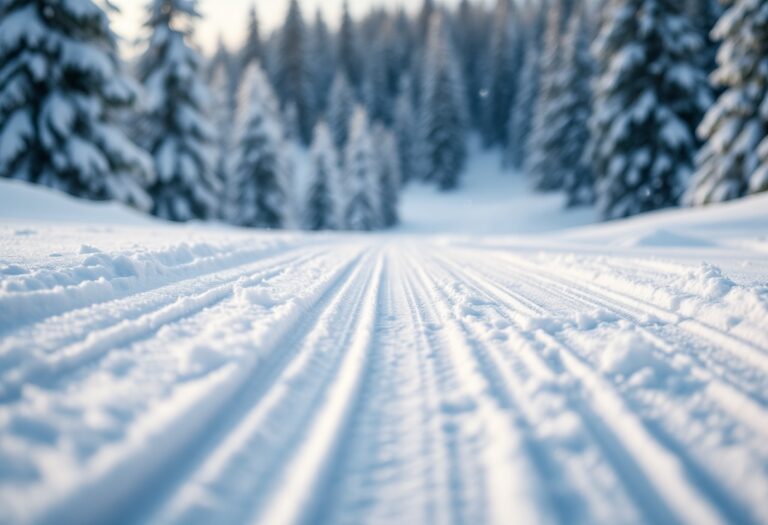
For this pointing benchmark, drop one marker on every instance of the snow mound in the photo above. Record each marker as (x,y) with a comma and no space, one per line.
(21,201)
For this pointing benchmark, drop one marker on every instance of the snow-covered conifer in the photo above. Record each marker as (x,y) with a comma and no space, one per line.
(406,131)
(175,127)
(546,138)
(252,50)
(223,112)
(61,91)
(263,175)
(325,197)
(503,67)
(341,105)
(734,159)
(521,118)
(293,74)
(388,187)
(576,108)
(650,95)
(376,84)
(442,140)
(322,62)
(348,51)
(361,176)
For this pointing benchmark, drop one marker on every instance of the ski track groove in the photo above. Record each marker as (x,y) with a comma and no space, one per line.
(740,405)
(398,381)
(368,449)
(54,367)
(608,415)
(220,395)
(178,273)
(743,349)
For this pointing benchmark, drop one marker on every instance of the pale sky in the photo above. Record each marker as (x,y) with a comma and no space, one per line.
(229,18)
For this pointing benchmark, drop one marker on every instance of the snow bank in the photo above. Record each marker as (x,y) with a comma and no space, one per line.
(20,201)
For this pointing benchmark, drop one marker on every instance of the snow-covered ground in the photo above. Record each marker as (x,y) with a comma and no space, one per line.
(184,374)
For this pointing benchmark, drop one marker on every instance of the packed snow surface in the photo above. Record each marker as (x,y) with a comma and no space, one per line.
(609,374)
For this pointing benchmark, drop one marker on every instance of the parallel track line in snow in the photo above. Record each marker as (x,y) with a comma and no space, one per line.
(271,423)
(57,365)
(518,487)
(367,468)
(740,404)
(746,350)
(48,302)
(198,418)
(650,471)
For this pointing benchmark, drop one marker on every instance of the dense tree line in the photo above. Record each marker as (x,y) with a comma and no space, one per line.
(633,105)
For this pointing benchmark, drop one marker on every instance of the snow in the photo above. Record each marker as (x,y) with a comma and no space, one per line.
(157,373)
(489,200)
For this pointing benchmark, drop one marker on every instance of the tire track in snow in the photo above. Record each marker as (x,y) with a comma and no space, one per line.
(705,480)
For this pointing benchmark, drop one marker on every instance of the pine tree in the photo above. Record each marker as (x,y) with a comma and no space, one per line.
(471,46)
(406,131)
(734,159)
(61,91)
(546,137)
(376,86)
(263,174)
(175,128)
(505,61)
(252,50)
(650,96)
(576,108)
(705,14)
(223,112)
(389,176)
(348,52)
(361,176)
(325,199)
(341,105)
(293,75)
(443,114)
(323,63)
(521,118)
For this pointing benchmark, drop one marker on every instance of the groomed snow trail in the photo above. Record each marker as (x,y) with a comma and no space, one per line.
(193,376)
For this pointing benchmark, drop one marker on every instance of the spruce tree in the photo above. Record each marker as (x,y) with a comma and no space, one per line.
(293,74)
(547,135)
(521,118)
(734,159)
(263,175)
(175,128)
(252,50)
(223,113)
(443,113)
(325,198)
(576,108)
(61,91)
(650,95)
(361,176)
(341,105)
(348,51)
(504,65)
(376,86)
(322,62)
(406,132)
(389,176)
